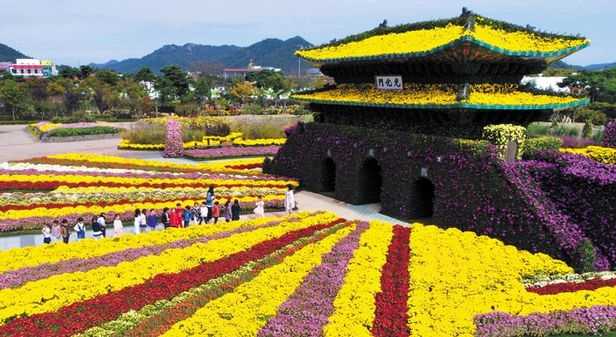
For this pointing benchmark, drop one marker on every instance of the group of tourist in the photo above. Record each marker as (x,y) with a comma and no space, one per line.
(210,210)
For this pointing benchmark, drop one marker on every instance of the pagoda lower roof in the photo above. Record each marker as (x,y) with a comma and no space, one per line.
(430,38)
(439,96)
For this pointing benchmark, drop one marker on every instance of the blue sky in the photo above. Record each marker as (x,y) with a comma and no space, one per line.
(79,32)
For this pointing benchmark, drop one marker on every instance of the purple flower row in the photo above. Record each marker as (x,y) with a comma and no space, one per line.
(595,320)
(307,310)
(15,278)
(576,142)
(232,151)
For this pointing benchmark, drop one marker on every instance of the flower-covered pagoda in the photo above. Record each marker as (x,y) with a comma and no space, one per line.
(403,123)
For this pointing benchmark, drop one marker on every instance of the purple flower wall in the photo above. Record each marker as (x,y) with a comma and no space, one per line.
(609,134)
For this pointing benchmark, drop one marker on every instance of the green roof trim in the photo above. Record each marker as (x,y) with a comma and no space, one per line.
(461,105)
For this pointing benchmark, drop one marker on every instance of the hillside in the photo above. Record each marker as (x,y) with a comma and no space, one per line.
(270,52)
(8,54)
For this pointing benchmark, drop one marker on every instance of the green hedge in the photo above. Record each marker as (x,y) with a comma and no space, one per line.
(87,131)
(534,145)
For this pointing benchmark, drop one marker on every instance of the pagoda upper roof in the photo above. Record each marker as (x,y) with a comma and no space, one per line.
(424,39)
(442,96)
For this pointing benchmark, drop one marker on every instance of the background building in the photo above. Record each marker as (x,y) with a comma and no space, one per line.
(33,68)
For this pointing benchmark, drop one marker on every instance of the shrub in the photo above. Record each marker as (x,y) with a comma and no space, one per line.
(587,130)
(563,130)
(609,134)
(500,135)
(536,129)
(536,145)
(586,257)
(595,117)
(86,131)
(144,132)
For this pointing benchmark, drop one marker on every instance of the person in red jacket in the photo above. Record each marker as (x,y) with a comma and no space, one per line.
(175,217)
(179,212)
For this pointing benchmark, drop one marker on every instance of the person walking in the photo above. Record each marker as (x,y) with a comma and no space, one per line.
(209,202)
(96,228)
(196,213)
(65,230)
(152,220)
(143,222)
(137,221)
(260,207)
(102,222)
(118,226)
(203,213)
(235,210)
(56,230)
(80,229)
(227,211)
(289,200)
(216,211)
(46,234)
(187,216)
(164,218)
(176,216)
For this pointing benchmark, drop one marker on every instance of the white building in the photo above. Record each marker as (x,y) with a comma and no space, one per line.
(33,68)
(546,83)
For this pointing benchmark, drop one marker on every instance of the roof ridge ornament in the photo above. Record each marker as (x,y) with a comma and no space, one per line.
(469,19)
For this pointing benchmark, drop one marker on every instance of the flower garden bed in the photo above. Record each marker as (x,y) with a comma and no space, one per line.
(307,274)
(83,185)
(231,152)
(605,155)
(51,132)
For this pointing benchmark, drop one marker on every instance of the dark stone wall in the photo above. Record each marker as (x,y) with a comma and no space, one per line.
(458,123)
(471,190)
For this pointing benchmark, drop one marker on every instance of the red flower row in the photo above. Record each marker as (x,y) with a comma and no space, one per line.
(160,323)
(391,315)
(81,316)
(557,288)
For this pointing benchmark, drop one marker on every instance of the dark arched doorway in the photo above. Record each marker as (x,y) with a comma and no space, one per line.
(328,176)
(424,198)
(370,182)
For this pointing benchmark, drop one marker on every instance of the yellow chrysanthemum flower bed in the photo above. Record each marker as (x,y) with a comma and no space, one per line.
(422,41)
(64,289)
(606,155)
(419,96)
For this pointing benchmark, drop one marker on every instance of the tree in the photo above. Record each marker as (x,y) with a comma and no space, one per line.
(109,77)
(13,95)
(203,89)
(145,74)
(268,79)
(177,78)
(242,90)
(85,71)
(68,72)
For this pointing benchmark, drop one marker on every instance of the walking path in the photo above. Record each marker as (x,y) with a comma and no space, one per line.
(17,144)
(308,201)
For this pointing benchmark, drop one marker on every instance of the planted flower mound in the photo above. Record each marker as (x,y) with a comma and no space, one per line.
(226,152)
(37,192)
(306,274)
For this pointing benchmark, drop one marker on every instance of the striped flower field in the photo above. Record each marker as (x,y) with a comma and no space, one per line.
(306,274)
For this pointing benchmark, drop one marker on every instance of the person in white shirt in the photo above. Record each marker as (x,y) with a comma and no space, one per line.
(137,221)
(203,213)
(80,229)
(260,208)
(118,227)
(289,200)
(47,234)
(102,222)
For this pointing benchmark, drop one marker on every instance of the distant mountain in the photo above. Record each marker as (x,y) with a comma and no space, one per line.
(8,54)
(270,52)
(592,67)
